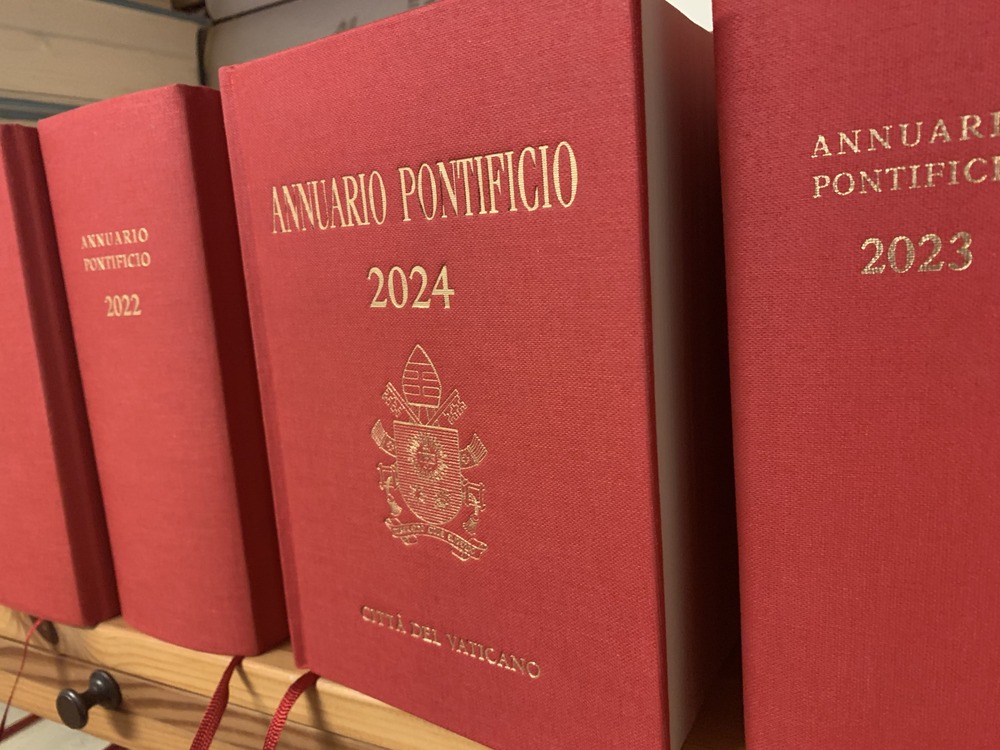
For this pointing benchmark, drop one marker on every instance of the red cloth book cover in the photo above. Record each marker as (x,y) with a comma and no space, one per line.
(450,257)
(861,170)
(55,562)
(143,208)
(458,290)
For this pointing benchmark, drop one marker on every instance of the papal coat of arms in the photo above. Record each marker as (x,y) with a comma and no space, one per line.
(426,490)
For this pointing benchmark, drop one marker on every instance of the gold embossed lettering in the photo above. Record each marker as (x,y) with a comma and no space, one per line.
(929,265)
(867,182)
(842,186)
(821,183)
(821,149)
(378,217)
(509,156)
(904,130)
(493,179)
(321,205)
(845,140)
(533,206)
(140,259)
(967,171)
(363,198)
(940,132)
(953,172)
(965,250)
(557,174)
(970,126)
(479,181)
(874,136)
(449,183)
(351,200)
(428,214)
(488,655)
(122,305)
(894,171)
(902,253)
(304,200)
(407,192)
(465,164)
(336,205)
(277,217)
(871,268)
(543,152)
(115,237)
(934,170)
(290,204)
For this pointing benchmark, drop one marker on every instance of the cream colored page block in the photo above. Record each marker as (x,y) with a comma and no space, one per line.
(74,51)
(699,11)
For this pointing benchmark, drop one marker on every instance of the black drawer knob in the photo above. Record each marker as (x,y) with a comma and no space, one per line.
(74,707)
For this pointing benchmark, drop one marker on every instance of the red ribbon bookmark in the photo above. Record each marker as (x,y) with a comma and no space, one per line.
(216,707)
(303,683)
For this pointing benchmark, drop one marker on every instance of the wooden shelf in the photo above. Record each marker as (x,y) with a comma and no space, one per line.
(166,688)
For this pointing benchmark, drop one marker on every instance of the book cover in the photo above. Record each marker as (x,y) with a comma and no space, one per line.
(461,268)
(144,216)
(55,562)
(860,181)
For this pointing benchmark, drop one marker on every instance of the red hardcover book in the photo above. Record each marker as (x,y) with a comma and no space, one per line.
(861,175)
(54,557)
(458,289)
(144,214)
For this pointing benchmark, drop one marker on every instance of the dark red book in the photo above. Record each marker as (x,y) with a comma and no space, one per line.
(458,289)
(54,557)
(144,214)
(860,160)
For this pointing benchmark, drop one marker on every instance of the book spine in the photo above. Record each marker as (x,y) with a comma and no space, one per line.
(689,353)
(262,355)
(92,568)
(231,317)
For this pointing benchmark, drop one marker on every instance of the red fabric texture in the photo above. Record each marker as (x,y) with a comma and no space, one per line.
(172,393)
(865,405)
(280,717)
(55,561)
(216,708)
(547,340)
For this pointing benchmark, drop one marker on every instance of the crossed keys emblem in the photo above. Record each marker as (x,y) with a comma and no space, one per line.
(427,480)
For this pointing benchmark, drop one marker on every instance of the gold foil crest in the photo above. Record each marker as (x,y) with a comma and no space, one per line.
(426,489)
